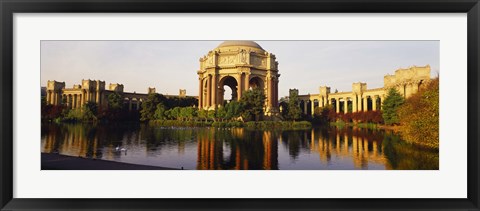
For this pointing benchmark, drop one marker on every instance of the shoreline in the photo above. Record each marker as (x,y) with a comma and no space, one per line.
(52,161)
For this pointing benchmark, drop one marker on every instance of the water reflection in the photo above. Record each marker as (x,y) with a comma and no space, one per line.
(237,148)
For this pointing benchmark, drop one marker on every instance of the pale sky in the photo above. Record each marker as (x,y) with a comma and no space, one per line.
(173,65)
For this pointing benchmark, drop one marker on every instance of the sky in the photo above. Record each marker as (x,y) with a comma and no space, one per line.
(172,65)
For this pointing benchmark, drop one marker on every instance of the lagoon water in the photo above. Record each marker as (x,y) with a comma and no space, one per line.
(319,148)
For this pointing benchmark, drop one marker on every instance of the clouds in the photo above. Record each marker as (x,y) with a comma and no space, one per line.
(172,65)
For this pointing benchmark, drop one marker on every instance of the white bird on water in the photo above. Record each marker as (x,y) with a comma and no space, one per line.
(120,149)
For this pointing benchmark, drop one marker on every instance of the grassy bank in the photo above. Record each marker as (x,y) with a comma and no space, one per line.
(342,124)
(263,125)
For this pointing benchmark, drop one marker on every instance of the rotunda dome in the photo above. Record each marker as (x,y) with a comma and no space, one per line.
(245,43)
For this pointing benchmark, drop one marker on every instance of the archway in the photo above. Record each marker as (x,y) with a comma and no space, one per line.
(230,94)
(256,82)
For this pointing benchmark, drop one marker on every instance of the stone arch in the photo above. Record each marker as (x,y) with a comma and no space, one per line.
(126,103)
(134,103)
(256,82)
(230,82)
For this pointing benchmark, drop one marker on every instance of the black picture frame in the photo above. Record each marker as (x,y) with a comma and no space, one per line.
(9,7)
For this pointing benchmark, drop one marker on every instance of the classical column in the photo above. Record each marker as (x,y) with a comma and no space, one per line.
(337,105)
(239,87)
(209,91)
(247,81)
(365,103)
(97,99)
(374,103)
(354,103)
(275,94)
(313,107)
(47,98)
(382,98)
(68,101)
(82,100)
(214,91)
(200,93)
(270,91)
(345,106)
(55,97)
(74,101)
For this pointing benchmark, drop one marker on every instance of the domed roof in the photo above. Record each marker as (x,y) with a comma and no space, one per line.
(246,43)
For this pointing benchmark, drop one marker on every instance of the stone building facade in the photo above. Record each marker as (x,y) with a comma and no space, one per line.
(95,91)
(240,65)
(406,81)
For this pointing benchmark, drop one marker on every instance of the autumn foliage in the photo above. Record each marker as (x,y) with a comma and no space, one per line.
(419,116)
(327,114)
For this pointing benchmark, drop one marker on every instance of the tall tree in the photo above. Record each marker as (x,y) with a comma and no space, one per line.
(293,107)
(150,105)
(390,106)
(252,102)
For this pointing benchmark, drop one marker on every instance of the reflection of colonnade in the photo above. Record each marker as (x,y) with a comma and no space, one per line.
(356,144)
(73,140)
(86,140)
(239,153)
(406,81)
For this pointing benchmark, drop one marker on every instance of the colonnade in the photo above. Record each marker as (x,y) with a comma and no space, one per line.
(133,101)
(211,88)
(54,97)
(74,100)
(77,100)
(357,103)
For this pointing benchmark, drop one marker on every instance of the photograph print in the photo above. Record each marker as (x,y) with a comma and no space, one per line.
(239,105)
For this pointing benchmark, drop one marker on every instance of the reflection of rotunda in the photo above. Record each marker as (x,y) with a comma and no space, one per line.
(239,65)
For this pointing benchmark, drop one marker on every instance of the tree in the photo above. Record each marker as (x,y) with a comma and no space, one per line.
(190,112)
(419,116)
(202,113)
(221,113)
(89,111)
(150,106)
(115,101)
(390,106)
(160,112)
(293,108)
(234,109)
(252,102)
